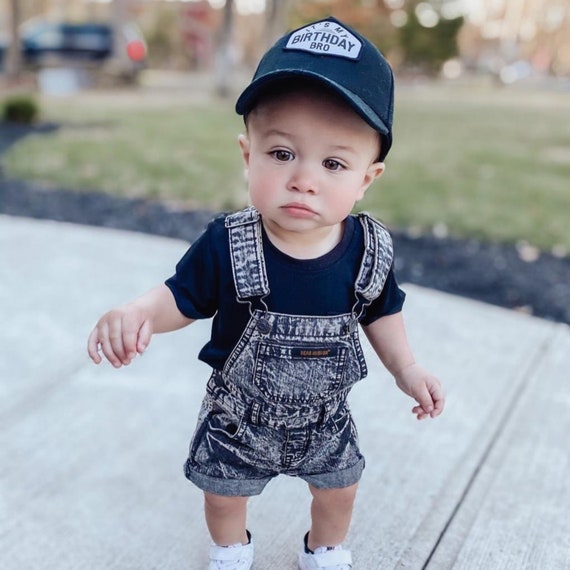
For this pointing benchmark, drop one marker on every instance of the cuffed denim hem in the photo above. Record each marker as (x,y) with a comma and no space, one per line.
(225,487)
(336,479)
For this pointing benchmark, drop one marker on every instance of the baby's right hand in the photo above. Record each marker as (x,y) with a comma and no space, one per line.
(120,335)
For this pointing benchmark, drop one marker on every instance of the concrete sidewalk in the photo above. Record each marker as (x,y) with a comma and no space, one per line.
(91,474)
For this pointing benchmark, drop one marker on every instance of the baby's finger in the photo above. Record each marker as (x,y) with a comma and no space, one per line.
(116,342)
(144,336)
(93,346)
(424,399)
(419,412)
(439,400)
(129,338)
(106,347)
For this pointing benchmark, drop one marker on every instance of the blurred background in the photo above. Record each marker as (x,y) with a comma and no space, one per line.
(133,100)
(511,39)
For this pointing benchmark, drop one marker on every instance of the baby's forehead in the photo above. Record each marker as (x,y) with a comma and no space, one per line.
(312,102)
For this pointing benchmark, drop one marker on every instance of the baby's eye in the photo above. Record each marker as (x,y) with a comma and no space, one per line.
(282,155)
(331,164)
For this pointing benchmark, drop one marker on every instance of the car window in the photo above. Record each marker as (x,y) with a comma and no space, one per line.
(90,40)
(46,38)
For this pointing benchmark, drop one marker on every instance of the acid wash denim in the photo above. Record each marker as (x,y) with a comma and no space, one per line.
(279,404)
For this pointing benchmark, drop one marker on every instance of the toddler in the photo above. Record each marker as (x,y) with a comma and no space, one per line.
(287,282)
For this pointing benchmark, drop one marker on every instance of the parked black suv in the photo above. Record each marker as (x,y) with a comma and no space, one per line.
(47,43)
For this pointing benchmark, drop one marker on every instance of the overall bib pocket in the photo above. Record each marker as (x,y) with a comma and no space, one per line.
(299,374)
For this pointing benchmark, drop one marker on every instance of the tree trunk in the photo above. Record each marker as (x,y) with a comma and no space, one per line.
(277,12)
(223,55)
(119,15)
(14,53)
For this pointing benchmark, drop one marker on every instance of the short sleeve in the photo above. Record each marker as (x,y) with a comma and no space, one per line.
(194,283)
(390,301)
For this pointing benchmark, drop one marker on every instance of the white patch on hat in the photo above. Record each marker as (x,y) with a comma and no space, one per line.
(326,37)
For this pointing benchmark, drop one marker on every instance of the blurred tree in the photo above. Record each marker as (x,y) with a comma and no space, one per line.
(14,55)
(276,20)
(276,15)
(424,43)
(119,17)
(224,51)
(426,39)
(369,17)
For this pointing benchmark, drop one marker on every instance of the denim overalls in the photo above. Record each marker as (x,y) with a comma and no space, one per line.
(279,404)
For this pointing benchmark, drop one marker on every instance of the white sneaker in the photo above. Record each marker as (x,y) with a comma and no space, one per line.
(234,557)
(325,558)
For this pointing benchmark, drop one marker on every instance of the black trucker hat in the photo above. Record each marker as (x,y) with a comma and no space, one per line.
(339,57)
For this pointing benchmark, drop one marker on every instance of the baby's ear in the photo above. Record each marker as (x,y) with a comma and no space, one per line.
(375,170)
(244,146)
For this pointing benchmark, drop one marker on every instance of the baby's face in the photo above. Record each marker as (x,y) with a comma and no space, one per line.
(309,159)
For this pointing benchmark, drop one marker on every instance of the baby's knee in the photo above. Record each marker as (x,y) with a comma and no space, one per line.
(343,496)
(223,504)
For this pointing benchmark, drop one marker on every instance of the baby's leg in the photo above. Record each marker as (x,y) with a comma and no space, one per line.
(331,511)
(226,518)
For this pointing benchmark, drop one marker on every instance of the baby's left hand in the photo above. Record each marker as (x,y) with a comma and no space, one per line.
(425,388)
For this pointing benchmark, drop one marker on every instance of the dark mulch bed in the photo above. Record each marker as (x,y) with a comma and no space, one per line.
(493,273)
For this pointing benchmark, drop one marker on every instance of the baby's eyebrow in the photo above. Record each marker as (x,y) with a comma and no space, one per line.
(332,148)
(276,133)
(281,133)
(342,147)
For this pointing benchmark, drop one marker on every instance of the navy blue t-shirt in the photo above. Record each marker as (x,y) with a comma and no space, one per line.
(203,286)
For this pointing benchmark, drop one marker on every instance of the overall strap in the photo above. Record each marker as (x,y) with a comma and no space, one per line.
(246,252)
(376,261)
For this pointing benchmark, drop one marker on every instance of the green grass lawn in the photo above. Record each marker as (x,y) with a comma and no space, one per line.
(181,153)
(490,165)
(483,162)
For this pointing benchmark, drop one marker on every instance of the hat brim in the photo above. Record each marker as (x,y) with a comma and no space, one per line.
(248,99)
